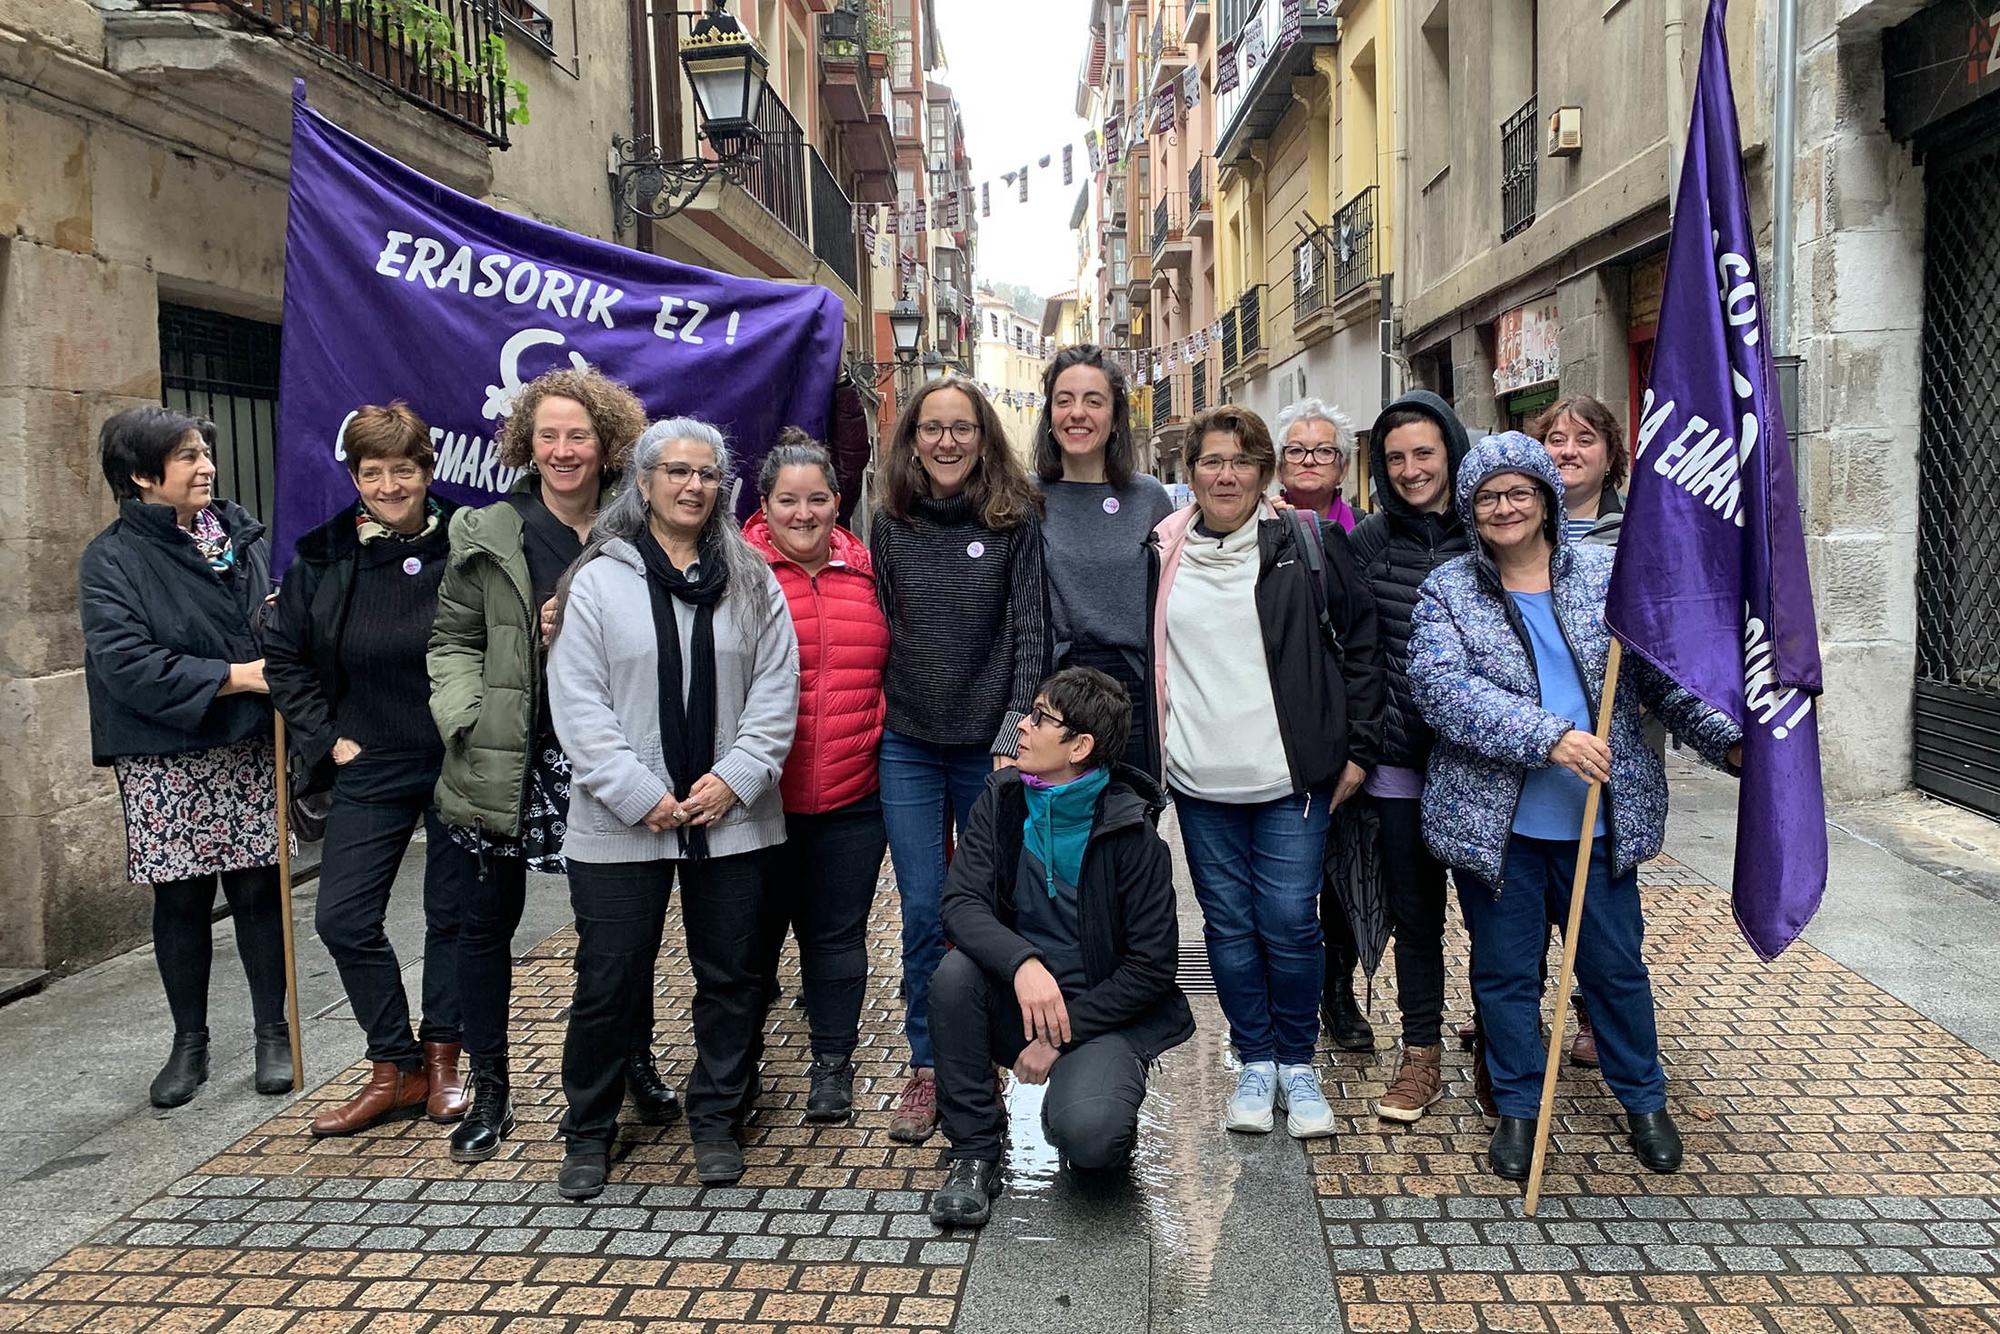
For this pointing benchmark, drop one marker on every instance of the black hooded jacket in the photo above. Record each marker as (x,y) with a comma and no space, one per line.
(1125,899)
(1395,549)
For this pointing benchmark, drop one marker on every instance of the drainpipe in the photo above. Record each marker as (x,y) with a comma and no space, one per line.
(1675,31)
(1784,162)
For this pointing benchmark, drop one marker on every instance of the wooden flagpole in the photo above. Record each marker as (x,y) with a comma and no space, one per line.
(1566,977)
(285,894)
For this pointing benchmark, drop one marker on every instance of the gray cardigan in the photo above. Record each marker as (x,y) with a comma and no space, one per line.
(604,694)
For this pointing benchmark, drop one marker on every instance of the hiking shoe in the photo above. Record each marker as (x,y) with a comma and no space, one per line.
(916,1109)
(1250,1111)
(718,1162)
(581,1176)
(830,1093)
(966,1197)
(1340,1015)
(647,1092)
(1419,1082)
(1306,1114)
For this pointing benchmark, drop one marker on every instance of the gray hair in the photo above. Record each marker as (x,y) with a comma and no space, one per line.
(802,453)
(1315,410)
(625,516)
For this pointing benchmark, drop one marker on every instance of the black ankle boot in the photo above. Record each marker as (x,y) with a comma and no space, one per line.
(830,1097)
(647,1092)
(185,1071)
(1512,1151)
(1345,1024)
(274,1058)
(491,1118)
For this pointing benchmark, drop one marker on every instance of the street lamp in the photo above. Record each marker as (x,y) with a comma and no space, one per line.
(906,327)
(726,71)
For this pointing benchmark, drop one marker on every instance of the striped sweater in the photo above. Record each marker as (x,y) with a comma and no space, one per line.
(968,623)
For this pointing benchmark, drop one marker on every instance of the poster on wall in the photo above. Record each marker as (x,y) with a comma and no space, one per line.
(1526,347)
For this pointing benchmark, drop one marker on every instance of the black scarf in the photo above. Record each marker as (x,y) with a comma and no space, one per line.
(687,730)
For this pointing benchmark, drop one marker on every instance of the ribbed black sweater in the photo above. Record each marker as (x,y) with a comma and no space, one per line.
(968,623)
(385,700)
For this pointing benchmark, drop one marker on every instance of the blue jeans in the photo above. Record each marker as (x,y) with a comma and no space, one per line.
(1509,929)
(1256,871)
(923,787)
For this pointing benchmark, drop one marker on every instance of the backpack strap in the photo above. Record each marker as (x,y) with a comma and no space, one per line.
(1308,523)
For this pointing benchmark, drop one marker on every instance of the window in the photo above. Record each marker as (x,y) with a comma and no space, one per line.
(906,118)
(904,53)
(225,368)
(993,324)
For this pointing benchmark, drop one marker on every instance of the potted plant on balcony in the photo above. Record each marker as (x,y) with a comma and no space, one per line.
(420,40)
(879,34)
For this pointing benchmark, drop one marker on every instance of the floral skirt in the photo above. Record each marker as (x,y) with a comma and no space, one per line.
(200,812)
(544,814)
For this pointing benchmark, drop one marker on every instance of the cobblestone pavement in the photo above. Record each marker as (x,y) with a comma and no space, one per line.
(1843,1173)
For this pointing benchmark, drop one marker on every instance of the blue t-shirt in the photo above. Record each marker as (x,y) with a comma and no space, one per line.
(1552,797)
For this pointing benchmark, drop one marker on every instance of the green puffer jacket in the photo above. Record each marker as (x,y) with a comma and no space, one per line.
(485,666)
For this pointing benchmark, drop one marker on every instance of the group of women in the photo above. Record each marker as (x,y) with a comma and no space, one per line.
(604,675)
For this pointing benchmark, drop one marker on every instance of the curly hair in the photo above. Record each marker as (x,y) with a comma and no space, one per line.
(614,410)
(1592,413)
(999,488)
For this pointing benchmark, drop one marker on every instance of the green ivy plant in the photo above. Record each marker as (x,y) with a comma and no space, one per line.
(879,32)
(429,30)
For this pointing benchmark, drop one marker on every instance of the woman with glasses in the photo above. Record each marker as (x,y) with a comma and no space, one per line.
(347,642)
(1099,513)
(957,545)
(674,684)
(1268,696)
(1318,445)
(1507,660)
(504,787)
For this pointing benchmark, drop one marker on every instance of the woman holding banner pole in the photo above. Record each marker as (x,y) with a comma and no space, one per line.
(1507,659)
(504,787)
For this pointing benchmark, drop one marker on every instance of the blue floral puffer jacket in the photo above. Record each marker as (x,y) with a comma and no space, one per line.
(1473,676)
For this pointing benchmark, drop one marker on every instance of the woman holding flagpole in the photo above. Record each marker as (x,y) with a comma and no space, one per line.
(1099,515)
(1507,661)
(504,787)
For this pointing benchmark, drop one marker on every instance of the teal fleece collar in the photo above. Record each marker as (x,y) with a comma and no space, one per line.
(1058,825)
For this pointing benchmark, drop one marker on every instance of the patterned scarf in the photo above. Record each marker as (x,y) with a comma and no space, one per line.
(212,540)
(370,529)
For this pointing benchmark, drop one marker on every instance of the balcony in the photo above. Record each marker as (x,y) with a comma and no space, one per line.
(1142,275)
(1198,388)
(1243,352)
(1353,236)
(1194,20)
(1254,109)
(1169,404)
(852,89)
(1309,294)
(776,177)
(1519,168)
(1169,53)
(833,225)
(457,79)
(1171,247)
(1230,351)
(1201,201)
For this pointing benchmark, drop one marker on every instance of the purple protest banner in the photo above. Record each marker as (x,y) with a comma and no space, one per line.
(398,287)
(1711,584)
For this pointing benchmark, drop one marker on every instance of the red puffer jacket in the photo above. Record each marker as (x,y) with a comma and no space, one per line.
(843,649)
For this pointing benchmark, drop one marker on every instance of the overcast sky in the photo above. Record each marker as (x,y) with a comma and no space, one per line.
(1013,65)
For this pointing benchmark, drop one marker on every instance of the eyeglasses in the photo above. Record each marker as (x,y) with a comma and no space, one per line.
(1039,717)
(1214,465)
(680,474)
(1317,453)
(963,432)
(1519,498)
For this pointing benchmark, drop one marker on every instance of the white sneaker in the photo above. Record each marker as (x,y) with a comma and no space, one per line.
(1250,1110)
(1306,1114)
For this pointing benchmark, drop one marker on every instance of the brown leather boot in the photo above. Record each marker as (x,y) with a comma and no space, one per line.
(447,1101)
(391,1094)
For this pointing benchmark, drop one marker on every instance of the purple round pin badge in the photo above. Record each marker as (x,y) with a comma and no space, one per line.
(1111,504)
(975,549)
(411,565)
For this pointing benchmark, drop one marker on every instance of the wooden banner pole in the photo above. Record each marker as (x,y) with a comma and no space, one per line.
(285,893)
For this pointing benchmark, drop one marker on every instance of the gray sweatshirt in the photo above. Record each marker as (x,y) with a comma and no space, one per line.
(604,694)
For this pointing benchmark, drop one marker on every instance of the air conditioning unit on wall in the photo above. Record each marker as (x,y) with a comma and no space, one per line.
(1566,132)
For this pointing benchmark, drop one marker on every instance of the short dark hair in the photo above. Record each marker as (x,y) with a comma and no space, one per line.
(1095,705)
(1118,450)
(1592,413)
(138,442)
(1252,437)
(795,449)
(1399,417)
(394,432)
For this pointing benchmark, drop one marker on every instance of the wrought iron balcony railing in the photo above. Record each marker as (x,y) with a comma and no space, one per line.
(1352,238)
(1309,277)
(833,224)
(1250,321)
(1519,167)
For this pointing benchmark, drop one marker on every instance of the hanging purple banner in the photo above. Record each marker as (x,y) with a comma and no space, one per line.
(1711,584)
(1226,69)
(398,287)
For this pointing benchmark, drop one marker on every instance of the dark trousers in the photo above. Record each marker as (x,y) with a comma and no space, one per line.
(378,801)
(1115,663)
(1091,1111)
(184,942)
(495,891)
(823,881)
(1415,885)
(1508,929)
(621,910)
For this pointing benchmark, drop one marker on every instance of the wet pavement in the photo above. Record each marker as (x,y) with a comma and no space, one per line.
(1843,1172)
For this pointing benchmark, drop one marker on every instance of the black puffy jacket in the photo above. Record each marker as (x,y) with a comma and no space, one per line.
(160,630)
(1395,549)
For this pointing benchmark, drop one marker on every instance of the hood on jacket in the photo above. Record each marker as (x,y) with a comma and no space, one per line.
(846,549)
(1513,451)
(1456,442)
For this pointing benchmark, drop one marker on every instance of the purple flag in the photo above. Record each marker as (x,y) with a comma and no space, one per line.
(1711,584)
(1226,69)
(397,287)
